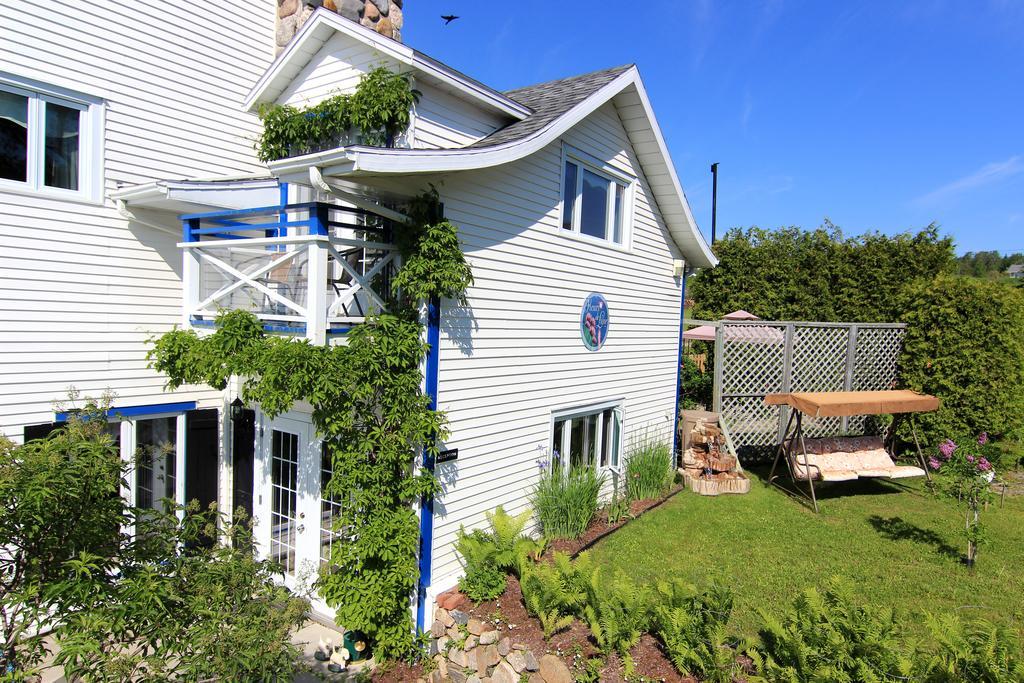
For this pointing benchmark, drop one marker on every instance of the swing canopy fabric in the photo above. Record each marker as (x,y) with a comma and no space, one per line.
(847,403)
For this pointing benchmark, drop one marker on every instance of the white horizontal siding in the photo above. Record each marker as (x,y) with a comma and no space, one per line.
(514,355)
(82,290)
(444,121)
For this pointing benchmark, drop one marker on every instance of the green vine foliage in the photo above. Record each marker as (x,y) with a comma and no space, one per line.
(368,406)
(380,108)
(433,264)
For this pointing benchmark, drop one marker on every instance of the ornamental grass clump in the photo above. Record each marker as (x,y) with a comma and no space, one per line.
(649,470)
(966,475)
(566,501)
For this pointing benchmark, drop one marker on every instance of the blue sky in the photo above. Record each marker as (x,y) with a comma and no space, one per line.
(879,115)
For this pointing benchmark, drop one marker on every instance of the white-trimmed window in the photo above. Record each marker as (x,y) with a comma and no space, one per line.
(587,437)
(49,140)
(596,199)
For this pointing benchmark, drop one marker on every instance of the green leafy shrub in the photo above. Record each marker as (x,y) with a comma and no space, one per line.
(566,501)
(796,274)
(177,609)
(975,651)
(59,498)
(697,385)
(829,637)
(380,109)
(692,627)
(482,581)
(964,345)
(649,470)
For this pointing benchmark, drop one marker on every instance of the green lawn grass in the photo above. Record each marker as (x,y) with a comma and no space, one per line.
(898,544)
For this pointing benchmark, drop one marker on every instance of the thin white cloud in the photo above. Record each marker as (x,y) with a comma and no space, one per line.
(986,175)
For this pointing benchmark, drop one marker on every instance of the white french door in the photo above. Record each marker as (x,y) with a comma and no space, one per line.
(294,521)
(288,501)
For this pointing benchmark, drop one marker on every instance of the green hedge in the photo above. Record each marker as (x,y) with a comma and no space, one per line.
(965,344)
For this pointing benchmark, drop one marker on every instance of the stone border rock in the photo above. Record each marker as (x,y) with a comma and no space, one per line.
(467,650)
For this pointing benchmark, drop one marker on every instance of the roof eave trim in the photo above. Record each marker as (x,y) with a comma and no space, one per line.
(399,161)
(471,88)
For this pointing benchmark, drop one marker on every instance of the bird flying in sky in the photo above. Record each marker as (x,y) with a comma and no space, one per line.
(448,18)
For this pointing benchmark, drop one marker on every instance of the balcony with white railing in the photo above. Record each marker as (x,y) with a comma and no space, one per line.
(311,269)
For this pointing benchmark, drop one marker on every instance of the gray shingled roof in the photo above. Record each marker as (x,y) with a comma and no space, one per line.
(549,101)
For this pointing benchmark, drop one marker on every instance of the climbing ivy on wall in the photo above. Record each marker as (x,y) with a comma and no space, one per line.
(369,407)
(380,109)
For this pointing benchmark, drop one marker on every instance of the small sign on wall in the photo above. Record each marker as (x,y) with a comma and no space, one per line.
(594,322)
(448,455)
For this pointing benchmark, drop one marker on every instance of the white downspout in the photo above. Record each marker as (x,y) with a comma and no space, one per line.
(319,182)
(122,209)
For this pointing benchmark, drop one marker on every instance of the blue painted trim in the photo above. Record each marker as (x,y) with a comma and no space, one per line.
(318,220)
(188,229)
(679,365)
(134,411)
(338,331)
(247,227)
(282,200)
(427,503)
(299,328)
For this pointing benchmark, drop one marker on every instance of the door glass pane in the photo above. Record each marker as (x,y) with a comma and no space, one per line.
(330,508)
(620,197)
(569,195)
(13,136)
(284,474)
(594,213)
(155,462)
(556,444)
(60,160)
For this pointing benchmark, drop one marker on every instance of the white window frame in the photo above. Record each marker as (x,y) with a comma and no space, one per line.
(90,145)
(568,414)
(614,176)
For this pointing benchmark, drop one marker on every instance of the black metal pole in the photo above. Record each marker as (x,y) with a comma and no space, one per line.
(714,202)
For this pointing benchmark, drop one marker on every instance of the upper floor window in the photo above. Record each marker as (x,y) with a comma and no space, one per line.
(594,200)
(48,140)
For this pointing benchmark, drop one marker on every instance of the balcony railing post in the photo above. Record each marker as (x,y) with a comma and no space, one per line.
(316,286)
(191,272)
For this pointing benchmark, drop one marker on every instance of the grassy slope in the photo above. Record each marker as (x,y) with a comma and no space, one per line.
(899,546)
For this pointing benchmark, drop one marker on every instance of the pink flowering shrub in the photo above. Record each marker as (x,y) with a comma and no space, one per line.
(966,474)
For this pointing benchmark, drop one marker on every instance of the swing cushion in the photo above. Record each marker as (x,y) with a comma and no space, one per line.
(848,458)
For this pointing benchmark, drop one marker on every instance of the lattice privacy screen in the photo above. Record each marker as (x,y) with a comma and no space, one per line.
(753,359)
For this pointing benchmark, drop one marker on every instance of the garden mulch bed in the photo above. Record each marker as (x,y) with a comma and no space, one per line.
(599,527)
(574,645)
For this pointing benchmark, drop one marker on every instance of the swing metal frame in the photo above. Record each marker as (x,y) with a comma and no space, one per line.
(792,444)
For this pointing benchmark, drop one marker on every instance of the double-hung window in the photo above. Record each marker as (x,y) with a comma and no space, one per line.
(49,140)
(587,437)
(595,199)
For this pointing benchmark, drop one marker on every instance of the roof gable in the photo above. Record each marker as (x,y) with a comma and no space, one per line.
(556,114)
(324,24)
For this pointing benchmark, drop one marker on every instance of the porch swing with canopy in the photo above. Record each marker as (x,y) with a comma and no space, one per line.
(847,458)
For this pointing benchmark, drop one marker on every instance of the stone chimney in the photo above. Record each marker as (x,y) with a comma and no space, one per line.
(383,16)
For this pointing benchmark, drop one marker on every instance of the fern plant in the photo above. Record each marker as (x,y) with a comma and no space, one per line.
(829,637)
(977,651)
(692,627)
(490,555)
(618,613)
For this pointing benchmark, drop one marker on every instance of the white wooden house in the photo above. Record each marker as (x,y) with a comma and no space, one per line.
(117,134)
